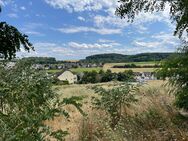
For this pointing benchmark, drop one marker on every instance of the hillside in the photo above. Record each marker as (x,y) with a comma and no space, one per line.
(120,58)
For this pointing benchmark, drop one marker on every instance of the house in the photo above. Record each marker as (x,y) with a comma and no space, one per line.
(68,76)
(144,76)
(38,66)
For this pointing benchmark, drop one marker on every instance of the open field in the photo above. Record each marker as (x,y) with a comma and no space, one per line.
(53,71)
(76,70)
(79,70)
(110,66)
(75,124)
(136,63)
(116,70)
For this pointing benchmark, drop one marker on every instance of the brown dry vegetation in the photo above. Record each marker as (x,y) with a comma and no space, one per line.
(152,118)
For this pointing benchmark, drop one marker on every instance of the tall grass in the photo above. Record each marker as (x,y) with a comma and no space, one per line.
(152,118)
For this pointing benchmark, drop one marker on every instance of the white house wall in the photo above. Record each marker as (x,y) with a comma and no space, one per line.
(68,76)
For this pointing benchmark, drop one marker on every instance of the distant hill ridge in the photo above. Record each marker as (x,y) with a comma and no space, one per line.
(120,58)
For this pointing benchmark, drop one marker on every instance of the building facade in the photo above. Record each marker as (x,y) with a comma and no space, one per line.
(68,76)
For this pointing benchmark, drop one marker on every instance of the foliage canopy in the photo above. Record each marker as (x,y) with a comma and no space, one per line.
(11,40)
(176,69)
(178,11)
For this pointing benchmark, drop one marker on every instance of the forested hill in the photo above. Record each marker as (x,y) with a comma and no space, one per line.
(118,58)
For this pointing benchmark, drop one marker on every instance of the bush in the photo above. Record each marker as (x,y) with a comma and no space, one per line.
(27,101)
(125,76)
(113,100)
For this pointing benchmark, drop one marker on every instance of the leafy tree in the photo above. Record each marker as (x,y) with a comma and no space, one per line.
(113,101)
(108,76)
(11,40)
(176,69)
(27,100)
(90,77)
(125,76)
(178,11)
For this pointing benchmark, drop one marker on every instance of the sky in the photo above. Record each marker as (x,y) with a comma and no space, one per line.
(74,29)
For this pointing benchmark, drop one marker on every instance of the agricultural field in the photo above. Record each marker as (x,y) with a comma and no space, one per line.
(110,66)
(79,70)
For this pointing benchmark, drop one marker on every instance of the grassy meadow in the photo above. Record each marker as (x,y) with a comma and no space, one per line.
(79,70)
(156,121)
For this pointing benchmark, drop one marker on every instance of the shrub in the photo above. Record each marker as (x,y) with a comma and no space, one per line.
(113,100)
(27,101)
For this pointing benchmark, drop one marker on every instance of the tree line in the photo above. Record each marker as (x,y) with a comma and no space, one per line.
(101,76)
(120,58)
(136,66)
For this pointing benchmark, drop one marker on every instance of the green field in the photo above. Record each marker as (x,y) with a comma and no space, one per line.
(53,71)
(79,70)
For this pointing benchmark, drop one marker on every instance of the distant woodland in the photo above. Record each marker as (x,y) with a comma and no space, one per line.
(105,58)
(119,58)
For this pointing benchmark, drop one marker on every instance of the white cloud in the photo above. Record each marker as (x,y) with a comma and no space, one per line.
(106,41)
(109,7)
(102,31)
(33,29)
(45,44)
(48,49)
(4,2)
(102,21)
(146,44)
(69,50)
(108,23)
(12,15)
(81,18)
(140,19)
(166,38)
(33,33)
(157,43)
(91,46)
(22,8)
(83,5)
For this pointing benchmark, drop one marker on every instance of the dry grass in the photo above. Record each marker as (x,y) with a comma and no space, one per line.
(152,118)
(95,127)
(72,125)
